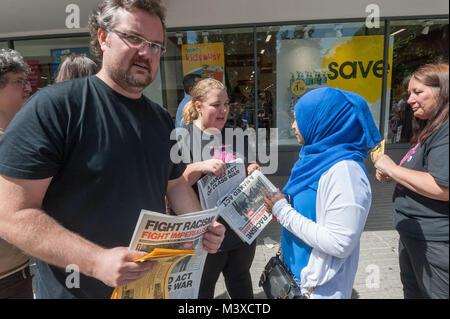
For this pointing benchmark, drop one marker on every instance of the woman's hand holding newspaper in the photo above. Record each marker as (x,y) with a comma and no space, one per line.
(214,166)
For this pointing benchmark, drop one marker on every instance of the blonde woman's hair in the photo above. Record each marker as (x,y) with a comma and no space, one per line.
(199,93)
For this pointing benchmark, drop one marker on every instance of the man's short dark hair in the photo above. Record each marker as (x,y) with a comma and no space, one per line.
(103,17)
(189,81)
(11,61)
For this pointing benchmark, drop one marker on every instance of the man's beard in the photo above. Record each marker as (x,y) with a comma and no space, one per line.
(127,80)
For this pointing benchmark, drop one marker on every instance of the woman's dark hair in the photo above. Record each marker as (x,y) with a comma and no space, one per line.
(434,76)
(75,66)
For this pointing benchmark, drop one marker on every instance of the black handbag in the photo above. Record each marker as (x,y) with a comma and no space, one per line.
(278,282)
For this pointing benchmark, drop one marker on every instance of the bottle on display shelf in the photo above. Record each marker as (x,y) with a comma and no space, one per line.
(292,80)
(310,79)
(324,78)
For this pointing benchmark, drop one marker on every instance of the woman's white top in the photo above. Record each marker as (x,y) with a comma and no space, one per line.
(342,205)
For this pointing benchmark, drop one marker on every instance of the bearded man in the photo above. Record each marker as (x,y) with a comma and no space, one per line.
(84,157)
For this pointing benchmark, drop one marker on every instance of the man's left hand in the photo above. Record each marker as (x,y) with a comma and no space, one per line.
(213,237)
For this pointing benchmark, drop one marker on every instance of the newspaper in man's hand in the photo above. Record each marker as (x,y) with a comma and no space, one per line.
(240,199)
(176,243)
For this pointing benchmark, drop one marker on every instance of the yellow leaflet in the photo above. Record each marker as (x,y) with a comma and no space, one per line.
(377,151)
(158,253)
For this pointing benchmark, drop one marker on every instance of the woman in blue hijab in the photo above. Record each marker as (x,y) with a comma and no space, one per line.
(328,190)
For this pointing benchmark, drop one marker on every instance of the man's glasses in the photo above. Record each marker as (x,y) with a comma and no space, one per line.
(139,43)
(22,83)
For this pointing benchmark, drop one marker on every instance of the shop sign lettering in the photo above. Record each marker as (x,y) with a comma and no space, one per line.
(196,57)
(352,69)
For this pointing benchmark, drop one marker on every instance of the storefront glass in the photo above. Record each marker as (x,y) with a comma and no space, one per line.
(415,42)
(45,55)
(295,59)
(290,61)
(225,54)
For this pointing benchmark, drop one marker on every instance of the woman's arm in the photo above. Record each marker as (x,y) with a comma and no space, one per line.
(194,171)
(343,201)
(422,183)
(337,237)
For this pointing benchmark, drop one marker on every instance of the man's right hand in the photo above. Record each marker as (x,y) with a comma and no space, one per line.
(115,267)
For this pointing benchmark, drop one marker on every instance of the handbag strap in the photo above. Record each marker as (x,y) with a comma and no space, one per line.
(310,291)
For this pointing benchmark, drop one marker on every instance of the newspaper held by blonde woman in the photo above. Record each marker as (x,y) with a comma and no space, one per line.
(212,188)
(240,199)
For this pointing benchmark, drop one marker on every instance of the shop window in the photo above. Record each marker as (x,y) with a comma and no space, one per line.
(45,55)
(415,42)
(3,45)
(295,59)
(225,54)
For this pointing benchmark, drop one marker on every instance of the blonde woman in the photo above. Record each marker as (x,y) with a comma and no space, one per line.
(205,116)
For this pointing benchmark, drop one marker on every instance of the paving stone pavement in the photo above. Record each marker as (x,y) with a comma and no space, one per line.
(378,274)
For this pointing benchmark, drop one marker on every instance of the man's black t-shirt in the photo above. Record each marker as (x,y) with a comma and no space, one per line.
(109,157)
(416,215)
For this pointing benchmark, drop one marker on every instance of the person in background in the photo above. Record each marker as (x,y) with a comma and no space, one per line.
(206,114)
(75,66)
(84,157)
(189,82)
(15,89)
(329,192)
(394,124)
(421,200)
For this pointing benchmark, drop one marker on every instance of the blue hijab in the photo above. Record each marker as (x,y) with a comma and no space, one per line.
(336,125)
